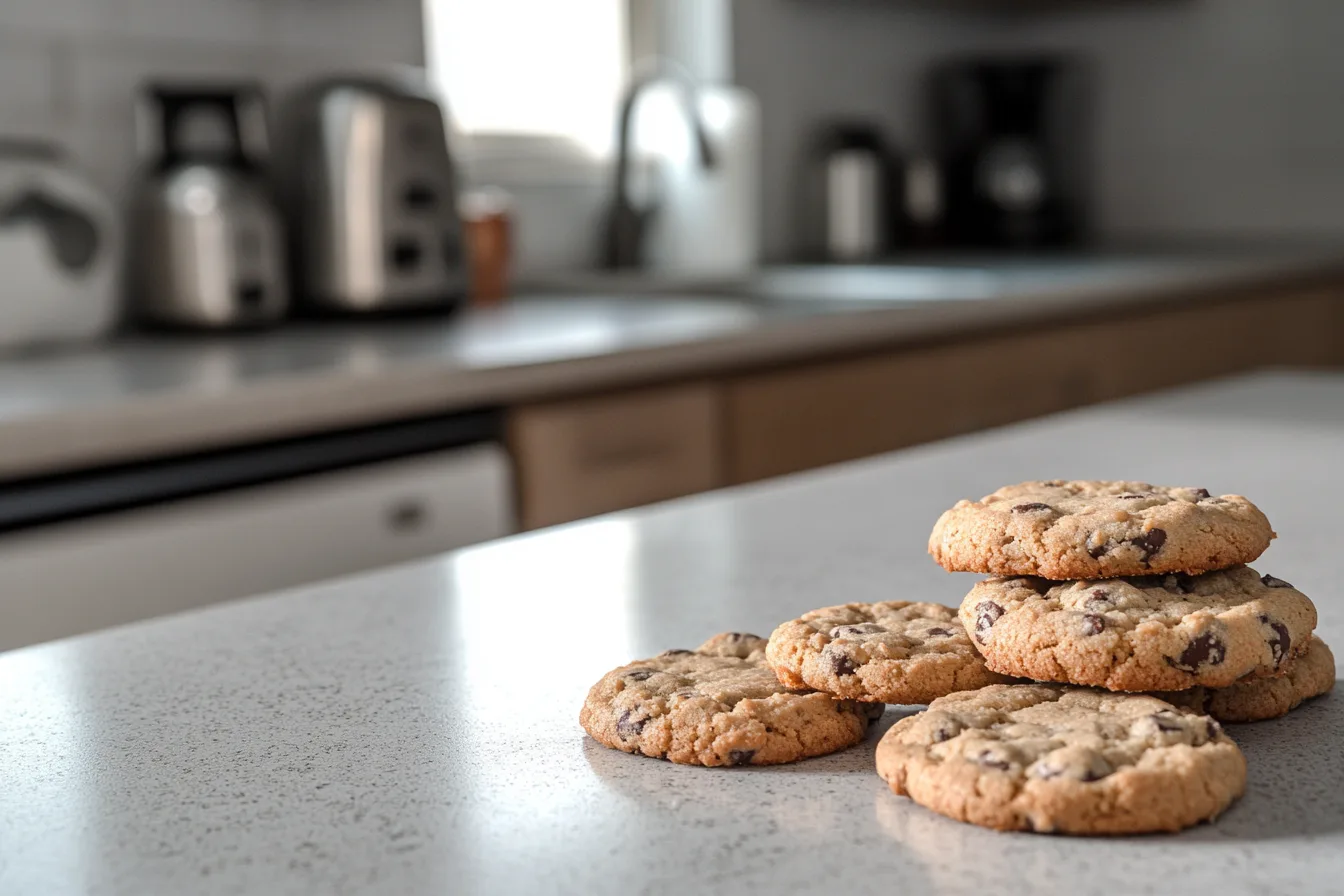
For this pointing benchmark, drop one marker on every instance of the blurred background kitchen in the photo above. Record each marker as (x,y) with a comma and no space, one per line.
(297,288)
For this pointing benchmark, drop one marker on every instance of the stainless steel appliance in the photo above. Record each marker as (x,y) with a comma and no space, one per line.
(860,189)
(207,237)
(1011,137)
(60,249)
(373,197)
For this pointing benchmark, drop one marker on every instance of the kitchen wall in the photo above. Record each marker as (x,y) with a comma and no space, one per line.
(809,61)
(1213,117)
(69,68)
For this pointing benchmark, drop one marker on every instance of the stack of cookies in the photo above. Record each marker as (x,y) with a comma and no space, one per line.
(1125,606)
(1132,587)
(1138,594)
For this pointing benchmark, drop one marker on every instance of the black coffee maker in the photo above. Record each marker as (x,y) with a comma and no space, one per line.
(1009,133)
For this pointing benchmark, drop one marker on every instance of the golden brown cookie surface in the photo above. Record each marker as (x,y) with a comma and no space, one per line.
(1155,633)
(718,705)
(1309,675)
(888,652)
(1082,529)
(1067,760)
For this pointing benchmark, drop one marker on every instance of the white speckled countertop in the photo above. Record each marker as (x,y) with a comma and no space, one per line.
(415,730)
(153,396)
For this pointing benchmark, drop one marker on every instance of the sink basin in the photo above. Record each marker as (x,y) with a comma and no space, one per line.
(964,279)
(874,284)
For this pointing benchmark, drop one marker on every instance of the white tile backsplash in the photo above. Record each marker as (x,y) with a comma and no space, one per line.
(229,22)
(381,31)
(23,18)
(1212,117)
(107,77)
(70,69)
(29,87)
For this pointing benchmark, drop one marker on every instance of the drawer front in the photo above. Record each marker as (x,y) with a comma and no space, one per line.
(580,458)
(74,577)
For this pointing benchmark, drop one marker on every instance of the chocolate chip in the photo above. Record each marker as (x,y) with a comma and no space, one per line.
(1204,650)
(676,651)
(1093,625)
(1212,729)
(1272,582)
(939,633)
(630,724)
(1033,507)
(685,692)
(987,613)
(639,675)
(1133,496)
(842,665)
(1096,551)
(1099,599)
(854,631)
(1200,493)
(734,637)
(740,757)
(1281,643)
(986,759)
(944,732)
(1150,542)
(1183,583)
(1093,774)
(1166,721)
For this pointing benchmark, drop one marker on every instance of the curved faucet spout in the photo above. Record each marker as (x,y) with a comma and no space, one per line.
(626,224)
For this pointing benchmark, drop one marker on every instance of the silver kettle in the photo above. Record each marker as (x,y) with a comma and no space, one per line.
(208,246)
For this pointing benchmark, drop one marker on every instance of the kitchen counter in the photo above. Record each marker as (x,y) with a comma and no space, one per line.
(415,730)
(157,396)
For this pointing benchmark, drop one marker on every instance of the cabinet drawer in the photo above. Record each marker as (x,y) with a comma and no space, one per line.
(77,576)
(579,458)
(796,419)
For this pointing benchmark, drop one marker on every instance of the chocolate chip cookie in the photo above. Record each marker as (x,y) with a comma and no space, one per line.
(1310,675)
(1065,760)
(1151,633)
(717,705)
(891,652)
(1093,530)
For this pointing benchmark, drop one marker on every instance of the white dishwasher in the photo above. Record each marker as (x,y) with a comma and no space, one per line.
(88,551)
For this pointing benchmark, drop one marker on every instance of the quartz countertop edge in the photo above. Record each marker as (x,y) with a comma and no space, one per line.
(373,379)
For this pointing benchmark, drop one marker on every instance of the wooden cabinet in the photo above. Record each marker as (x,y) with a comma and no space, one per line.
(794,419)
(609,452)
(581,457)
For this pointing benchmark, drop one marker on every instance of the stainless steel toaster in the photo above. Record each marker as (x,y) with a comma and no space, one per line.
(372,202)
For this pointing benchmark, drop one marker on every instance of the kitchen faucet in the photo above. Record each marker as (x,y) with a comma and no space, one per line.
(626,224)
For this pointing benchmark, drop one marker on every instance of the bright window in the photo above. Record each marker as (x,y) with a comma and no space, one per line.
(544,68)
